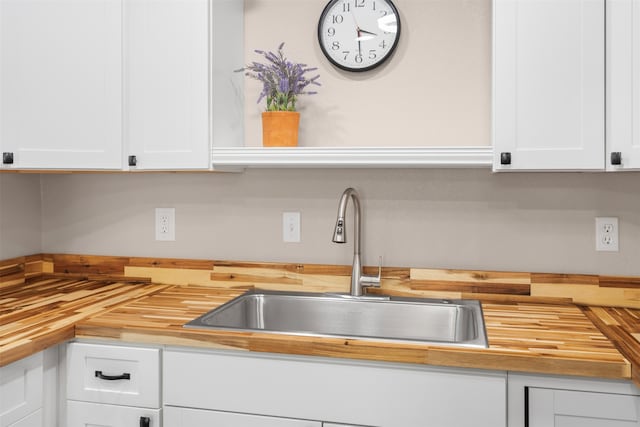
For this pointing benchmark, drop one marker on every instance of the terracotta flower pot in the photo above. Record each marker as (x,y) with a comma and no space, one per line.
(280,128)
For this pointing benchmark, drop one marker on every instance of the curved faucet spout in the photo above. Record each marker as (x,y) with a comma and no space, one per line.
(340,231)
(358,280)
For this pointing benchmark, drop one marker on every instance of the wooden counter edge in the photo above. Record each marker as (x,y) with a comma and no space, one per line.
(12,353)
(491,359)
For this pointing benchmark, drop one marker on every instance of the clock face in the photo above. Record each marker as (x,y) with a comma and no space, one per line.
(358,35)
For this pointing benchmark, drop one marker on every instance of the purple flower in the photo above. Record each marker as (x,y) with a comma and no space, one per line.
(282,80)
(284,85)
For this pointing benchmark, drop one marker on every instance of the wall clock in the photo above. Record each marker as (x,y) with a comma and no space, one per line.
(359,35)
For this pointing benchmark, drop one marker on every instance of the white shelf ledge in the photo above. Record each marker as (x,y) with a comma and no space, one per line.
(360,157)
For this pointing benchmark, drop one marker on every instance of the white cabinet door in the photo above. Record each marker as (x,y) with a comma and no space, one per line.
(623,84)
(566,408)
(84,414)
(21,392)
(60,83)
(166,51)
(549,85)
(33,420)
(183,417)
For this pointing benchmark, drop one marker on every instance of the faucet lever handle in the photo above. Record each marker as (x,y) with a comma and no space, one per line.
(379,268)
(373,280)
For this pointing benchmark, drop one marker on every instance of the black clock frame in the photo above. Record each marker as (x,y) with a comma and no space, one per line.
(392,50)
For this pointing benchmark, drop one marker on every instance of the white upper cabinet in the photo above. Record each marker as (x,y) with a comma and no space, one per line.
(166,53)
(111,84)
(623,84)
(566,85)
(549,85)
(60,84)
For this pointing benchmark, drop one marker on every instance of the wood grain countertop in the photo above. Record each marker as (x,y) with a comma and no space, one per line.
(526,337)
(42,313)
(523,336)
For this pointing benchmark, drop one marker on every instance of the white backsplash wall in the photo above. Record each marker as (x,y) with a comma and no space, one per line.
(468,219)
(19,215)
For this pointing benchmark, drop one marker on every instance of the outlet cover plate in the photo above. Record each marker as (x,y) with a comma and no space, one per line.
(165,224)
(607,236)
(291,227)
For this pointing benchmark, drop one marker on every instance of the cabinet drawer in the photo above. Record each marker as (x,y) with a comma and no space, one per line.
(113,374)
(83,414)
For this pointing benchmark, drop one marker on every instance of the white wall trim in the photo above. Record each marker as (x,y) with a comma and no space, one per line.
(436,157)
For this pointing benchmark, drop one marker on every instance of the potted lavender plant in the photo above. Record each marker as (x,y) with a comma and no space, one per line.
(282,82)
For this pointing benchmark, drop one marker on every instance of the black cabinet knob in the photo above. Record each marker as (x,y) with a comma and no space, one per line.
(616,158)
(505,158)
(145,422)
(7,158)
(133,161)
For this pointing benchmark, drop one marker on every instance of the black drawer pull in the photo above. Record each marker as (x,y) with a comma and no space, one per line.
(124,376)
(145,422)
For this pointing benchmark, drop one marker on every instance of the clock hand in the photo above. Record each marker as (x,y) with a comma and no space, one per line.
(358,33)
(364,38)
(366,32)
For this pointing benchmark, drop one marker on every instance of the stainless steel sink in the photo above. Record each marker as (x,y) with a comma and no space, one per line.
(435,321)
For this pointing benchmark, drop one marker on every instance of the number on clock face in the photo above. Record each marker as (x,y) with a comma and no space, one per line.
(358,35)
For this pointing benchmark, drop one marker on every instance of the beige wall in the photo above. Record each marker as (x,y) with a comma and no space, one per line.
(470,219)
(20,215)
(434,91)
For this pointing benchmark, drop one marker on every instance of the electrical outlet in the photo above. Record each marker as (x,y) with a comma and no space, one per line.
(291,227)
(166,224)
(607,234)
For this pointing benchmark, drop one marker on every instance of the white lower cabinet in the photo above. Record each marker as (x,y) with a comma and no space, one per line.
(543,401)
(112,386)
(32,420)
(85,414)
(568,408)
(184,417)
(28,391)
(280,390)
(339,425)
(21,385)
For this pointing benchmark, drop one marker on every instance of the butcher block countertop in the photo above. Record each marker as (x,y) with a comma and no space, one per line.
(524,335)
(42,313)
(554,339)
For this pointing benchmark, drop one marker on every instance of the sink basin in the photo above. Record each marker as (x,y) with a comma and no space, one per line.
(434,321)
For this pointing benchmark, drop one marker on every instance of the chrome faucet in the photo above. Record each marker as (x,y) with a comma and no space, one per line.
(358,280)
